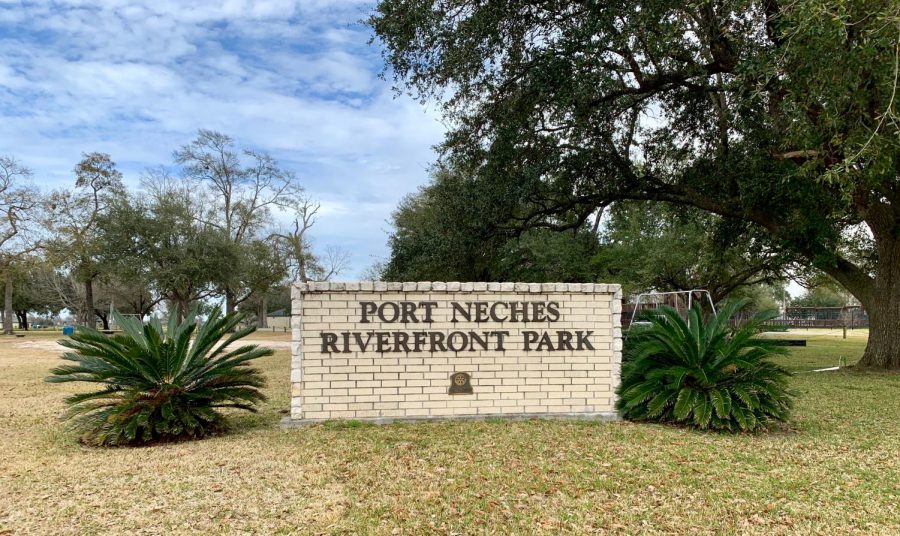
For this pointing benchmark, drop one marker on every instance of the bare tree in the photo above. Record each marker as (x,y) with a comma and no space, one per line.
(331,264)
(158,183)
(375,271)
(63,291)
(242,190)
(305,265)
(295,243)
(18,203)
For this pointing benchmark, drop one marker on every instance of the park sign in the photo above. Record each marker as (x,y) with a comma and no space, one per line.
(429,350)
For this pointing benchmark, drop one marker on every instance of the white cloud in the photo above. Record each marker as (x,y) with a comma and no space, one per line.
(136,79)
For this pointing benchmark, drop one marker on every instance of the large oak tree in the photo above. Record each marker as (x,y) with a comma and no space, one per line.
(454,229)
(781,114)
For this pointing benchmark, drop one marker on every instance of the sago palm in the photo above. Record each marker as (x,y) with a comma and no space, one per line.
(703,374)
(160,384)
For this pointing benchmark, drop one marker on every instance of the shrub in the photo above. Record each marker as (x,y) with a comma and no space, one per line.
(159,385)
(703,374)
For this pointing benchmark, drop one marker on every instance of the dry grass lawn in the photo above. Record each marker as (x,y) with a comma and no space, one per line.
(835,469)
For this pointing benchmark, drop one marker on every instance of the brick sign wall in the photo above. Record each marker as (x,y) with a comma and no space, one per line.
(386,351)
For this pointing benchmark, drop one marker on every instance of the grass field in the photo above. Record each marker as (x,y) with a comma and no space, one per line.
(835,469)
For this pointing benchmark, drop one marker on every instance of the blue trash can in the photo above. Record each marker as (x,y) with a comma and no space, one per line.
(68,330)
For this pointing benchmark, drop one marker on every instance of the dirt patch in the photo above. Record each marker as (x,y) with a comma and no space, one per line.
(53,347)
(50,346)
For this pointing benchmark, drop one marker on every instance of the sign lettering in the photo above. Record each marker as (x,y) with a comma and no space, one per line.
(477,312)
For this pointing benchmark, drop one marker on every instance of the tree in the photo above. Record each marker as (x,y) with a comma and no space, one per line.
(128,297)
(134,295)
(662,247)
(779,114)
(240,194)
(48,291)
(18,203)
(264,271)
(30,292)
(447,232)
(296,247)
(127,235)
(74,220)
(822,296)
(541,255)
(762,297)
(61,289)
(180,259)
(280,298)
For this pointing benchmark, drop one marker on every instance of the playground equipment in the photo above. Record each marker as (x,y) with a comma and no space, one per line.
(680,300)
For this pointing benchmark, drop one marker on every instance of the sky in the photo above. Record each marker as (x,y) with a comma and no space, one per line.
(297,79)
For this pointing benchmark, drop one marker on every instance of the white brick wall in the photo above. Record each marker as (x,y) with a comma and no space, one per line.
(398,384)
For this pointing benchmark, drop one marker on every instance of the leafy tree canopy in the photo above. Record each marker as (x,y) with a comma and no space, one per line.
(821,297)
(450,230)
(658,246)
(781,114)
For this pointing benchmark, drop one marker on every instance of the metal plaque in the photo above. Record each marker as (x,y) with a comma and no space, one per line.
(460,384)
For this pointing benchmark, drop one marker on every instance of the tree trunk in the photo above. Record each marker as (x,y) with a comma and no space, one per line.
(262,313)
(883,308)
(104,318)
(7,304)
(229,302)
(181,308)
(88,320)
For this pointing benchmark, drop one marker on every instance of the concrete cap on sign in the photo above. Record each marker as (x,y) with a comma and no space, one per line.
(455,286)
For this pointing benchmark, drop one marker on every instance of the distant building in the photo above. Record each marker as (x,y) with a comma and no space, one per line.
(280,319)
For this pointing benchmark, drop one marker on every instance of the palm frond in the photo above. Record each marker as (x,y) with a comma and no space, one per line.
(703,374)
(159,383)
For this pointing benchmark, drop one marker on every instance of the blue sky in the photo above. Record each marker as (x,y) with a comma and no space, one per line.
(137,78)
